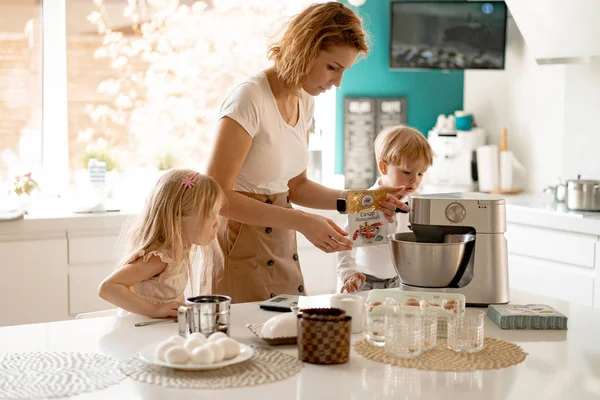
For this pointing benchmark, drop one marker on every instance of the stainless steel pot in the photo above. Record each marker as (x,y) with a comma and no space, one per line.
(583,195)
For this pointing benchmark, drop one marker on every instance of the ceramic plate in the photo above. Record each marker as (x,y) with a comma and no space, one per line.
(148,354)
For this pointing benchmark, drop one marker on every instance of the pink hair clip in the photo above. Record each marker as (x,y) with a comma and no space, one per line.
(189,182)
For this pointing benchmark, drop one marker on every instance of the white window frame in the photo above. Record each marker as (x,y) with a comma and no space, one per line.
(55,127)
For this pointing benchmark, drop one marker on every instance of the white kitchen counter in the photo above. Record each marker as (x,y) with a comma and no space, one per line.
(560,364)
(542,211)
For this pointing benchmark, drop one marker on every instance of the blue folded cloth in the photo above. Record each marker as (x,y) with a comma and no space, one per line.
(528,316)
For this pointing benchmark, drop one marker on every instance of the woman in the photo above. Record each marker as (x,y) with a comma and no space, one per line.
(261,154)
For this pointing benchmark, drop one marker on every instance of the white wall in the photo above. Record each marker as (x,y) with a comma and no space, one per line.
(581,137)
(549,110)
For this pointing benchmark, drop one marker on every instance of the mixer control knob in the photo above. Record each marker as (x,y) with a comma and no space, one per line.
(455,212)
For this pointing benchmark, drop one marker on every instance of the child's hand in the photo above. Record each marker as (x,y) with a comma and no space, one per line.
(353,283)
(393,203)
(167,310)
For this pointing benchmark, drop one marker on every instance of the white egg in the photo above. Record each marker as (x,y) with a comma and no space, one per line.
(177,355)
(162,349)
(192,342)
(231,347)
(197,335)
(203,355)
(180,340)
(217,349)
(216,336)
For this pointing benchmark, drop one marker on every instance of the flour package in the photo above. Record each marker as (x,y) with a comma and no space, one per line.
(367,224)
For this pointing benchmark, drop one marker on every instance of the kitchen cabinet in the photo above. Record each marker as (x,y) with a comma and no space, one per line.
(554,262)
(33,287)
(93,255)
(558,29)
(52,265)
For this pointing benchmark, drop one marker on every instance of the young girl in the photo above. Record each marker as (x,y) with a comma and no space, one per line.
(182,211)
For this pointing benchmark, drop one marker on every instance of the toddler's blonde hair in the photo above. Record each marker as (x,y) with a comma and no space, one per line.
(318,27)
(159,226)
(402,144)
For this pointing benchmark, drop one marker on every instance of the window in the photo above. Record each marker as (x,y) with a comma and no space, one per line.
(135,83)
(20,90)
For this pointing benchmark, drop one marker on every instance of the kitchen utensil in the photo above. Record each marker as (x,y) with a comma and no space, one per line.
(204,314)
(429,264)
(558,191)
(162,321)
(476,268)
(583,195)
(324,336)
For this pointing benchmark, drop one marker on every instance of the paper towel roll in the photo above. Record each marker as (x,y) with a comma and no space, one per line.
(506,171)
(488,168)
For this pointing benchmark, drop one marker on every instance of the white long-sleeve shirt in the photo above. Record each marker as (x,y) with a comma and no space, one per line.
(374,260)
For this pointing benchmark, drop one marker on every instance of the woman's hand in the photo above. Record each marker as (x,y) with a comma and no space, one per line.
(167,310)
(353,283)
(394,194)
(323,233)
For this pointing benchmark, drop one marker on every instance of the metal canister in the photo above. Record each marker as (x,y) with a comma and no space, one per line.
(583,195)
(205,314)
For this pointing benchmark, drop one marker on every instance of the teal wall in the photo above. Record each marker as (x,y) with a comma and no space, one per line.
(427,93)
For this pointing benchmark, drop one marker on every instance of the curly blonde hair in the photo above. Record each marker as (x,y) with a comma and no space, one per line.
(316,28)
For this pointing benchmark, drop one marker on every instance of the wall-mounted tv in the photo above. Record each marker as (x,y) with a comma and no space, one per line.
(448,35)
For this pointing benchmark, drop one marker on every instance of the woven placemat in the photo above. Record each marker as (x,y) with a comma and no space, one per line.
(495,354)
(265,366)
(52,375)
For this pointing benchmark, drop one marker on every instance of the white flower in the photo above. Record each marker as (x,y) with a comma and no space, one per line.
(94,17)
(101,52)
(123,102)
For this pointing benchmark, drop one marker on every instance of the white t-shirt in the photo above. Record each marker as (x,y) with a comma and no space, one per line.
(279,152)
(374,260)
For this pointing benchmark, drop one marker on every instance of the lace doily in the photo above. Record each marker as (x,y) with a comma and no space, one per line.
(52,375)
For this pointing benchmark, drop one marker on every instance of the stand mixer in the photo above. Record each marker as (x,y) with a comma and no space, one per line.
(457,245)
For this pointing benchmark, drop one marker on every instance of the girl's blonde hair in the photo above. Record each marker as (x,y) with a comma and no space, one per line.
(318,27)
(178,193)
(401,144)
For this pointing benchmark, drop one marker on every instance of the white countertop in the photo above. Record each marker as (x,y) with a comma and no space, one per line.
(541,210)
(560,364)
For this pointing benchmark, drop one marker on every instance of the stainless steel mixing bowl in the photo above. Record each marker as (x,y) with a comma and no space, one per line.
(430,264)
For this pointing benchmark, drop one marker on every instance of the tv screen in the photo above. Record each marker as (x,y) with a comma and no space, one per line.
(448,35)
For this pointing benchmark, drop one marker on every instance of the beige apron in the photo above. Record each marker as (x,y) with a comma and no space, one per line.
(259,262)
